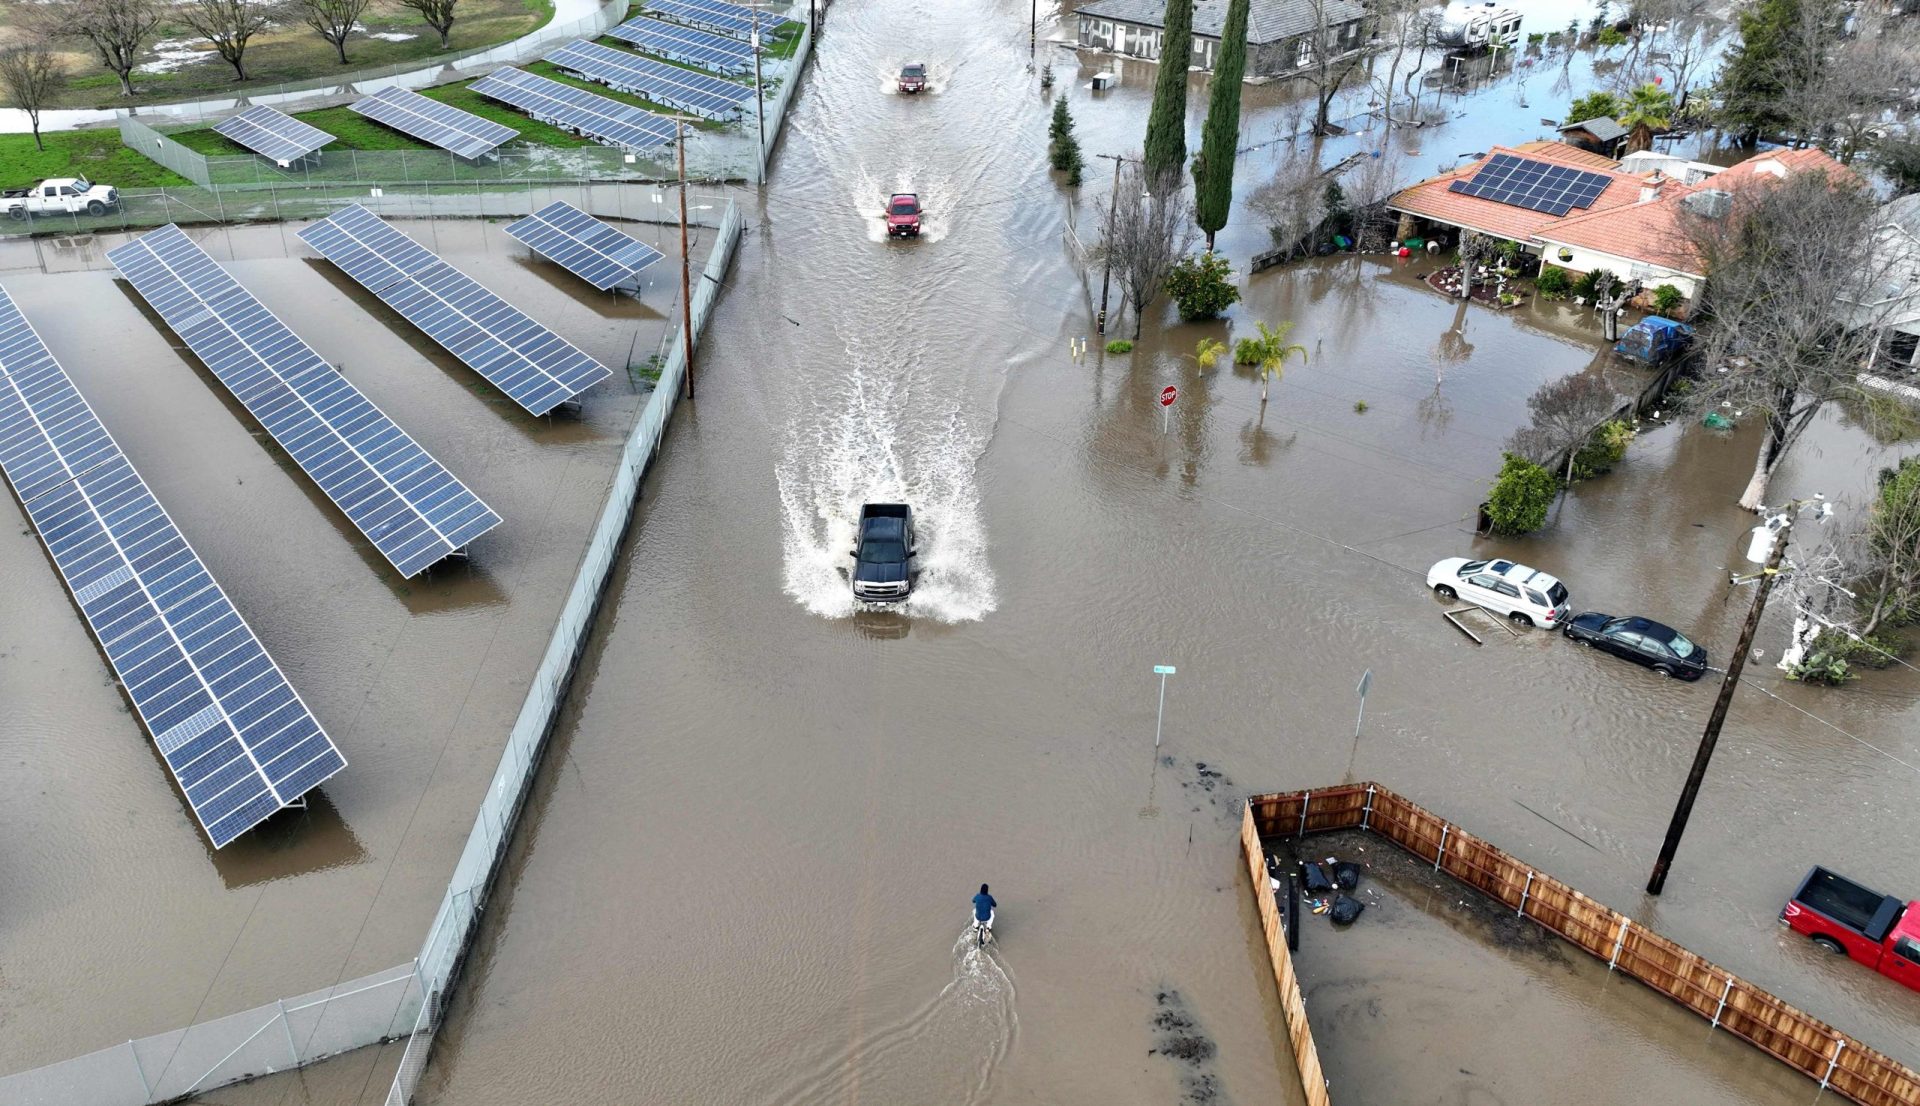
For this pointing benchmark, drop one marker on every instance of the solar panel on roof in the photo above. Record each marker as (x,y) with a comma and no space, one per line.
(235,735)
(433,122)
(585,246)
(670,40)
(604,120)
(273,134)
(533,365)
(404,501)
(732,19)
(1535,185)
(655,80)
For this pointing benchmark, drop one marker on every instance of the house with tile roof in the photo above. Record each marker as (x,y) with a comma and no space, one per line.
(1632,227)
(1282,35)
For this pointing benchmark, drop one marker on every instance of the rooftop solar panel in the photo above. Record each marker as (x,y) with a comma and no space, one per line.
(235,735)
(732,19)
(536,367)
(587,247)
(404,501)
(604,120)
(435,123)
(273,134)
(1535,185)
(670,40)
(655,80)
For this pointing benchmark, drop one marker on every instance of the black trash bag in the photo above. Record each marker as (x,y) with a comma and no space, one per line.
(1314,878)
(1346,908)
(1346,875)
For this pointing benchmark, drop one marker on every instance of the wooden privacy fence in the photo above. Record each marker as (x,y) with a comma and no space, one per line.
(1293,1008)
(1839,1062)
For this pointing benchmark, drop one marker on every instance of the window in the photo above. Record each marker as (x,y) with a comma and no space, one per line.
(66,190)
(1491,583)
(1305,57)
(1906,948)
(48,191)
(1681,646)
(1631,640)
(1537,599)
(1564,254)
(1506,589)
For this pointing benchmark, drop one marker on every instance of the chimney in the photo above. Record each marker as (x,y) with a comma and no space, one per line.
(1650,191)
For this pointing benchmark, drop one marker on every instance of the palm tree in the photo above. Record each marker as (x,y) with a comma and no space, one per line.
(1650,109)
(1274,354)
(1208,353)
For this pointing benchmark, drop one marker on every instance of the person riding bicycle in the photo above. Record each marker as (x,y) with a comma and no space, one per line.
(983,905)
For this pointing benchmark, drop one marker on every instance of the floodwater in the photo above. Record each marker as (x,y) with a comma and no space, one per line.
(744,868)
(118,920)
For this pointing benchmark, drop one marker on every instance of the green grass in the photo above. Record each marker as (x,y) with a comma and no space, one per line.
(97,155)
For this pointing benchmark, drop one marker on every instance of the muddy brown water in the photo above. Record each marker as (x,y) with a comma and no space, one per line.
(118,920)
(744,869)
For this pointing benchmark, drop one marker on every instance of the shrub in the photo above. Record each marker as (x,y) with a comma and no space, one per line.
(1119,345)
(1202,286)
(1867,651)
(1594,105)
(1208,352)
(1553,283)
(1521,495)
(1603,450)
(1824,669)
(1359,406)
(1584,287)
(1611,36)
(1247,351)
(1667,300)
(1508,299)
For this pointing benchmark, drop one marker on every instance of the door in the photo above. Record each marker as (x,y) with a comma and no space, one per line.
(1482,590)
(1902,962)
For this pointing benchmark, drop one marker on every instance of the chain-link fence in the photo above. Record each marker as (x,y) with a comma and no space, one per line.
(275,1037)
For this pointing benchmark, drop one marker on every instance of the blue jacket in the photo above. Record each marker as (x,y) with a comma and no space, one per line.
(983,907)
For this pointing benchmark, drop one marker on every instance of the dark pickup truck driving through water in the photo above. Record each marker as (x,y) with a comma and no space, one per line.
(882,562)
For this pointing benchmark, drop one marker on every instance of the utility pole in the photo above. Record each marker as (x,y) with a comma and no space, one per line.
(1033,26)
(686,278)
(759,101)
(1113,211)
(1711,737)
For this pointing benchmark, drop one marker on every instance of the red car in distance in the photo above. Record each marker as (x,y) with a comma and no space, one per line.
(913,77)
(903,215)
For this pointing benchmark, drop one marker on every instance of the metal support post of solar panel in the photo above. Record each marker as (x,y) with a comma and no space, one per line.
(586,247)
(274,135)
(462,133)
(677,43)
(1543,186)
(666,84)
(407,504)
(536,367)
(603,119)
(716,15)
(237,738)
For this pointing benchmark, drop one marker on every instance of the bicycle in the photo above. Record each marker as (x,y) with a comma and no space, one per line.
(982,931)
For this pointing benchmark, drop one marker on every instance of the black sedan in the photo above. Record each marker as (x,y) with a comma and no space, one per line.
(1641,640)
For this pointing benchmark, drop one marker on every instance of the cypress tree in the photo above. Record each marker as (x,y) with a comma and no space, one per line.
(1166,149)
(1220,137)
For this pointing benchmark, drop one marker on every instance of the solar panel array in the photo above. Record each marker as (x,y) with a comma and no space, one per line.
(732,19)
(433,122)
(600,118)
(273,134)
(587,247)
(404,501)
(1534,185)
(655,80)
(236,736)
(670,40)
(536,367)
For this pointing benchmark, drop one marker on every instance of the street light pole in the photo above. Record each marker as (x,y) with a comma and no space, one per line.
(1711,736)
(1106,271)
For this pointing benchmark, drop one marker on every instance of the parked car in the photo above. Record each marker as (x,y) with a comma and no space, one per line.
(60,195)
(1841,916)
(883,561)
(1523,594)
(1654,340)
(1640,640)
(903,215)
(913,77)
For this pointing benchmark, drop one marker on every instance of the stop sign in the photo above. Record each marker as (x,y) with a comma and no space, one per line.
(1168,394)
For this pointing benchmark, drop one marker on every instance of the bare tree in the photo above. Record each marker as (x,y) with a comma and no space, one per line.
(1566,412)
(1370,183)
(1410,27)
(1142,236)
(1476,250)
(1294,202)
(1778,260)
(229,25)
(32,75)
(437,13)
(334,19)
(1887,550)
(1332,53)
(1845,105)
(117,30)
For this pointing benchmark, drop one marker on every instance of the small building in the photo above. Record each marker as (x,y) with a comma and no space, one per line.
(1897,257)
(1601,136)
(1281,34)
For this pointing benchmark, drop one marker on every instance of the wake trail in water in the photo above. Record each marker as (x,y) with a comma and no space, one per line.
(947,1051)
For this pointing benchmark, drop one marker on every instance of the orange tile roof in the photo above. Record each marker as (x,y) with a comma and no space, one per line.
(1433,198)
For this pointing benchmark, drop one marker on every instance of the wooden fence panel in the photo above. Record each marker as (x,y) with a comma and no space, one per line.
(1293,1006)
(1770,1024)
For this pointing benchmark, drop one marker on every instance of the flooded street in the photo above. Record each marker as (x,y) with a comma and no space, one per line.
(745,866)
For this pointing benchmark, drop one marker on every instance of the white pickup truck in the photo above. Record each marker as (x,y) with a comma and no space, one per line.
(61,195)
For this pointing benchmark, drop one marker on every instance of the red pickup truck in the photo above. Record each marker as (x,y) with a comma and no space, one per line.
(1841,916)
(903,215)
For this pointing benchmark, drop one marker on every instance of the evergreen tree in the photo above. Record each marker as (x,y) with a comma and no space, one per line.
(1220,137)
(1770,59)
(1063,152)
(1166,149)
